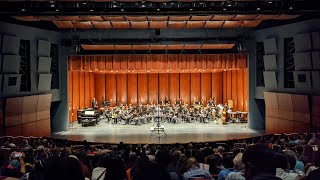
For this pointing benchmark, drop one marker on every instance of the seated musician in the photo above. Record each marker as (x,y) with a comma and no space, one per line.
(210,102)
(94,103)
(104,103)
(166,100)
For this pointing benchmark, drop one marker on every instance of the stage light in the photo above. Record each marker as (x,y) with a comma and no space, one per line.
(23,10)
(270,2)
(57,10)
(84,3)
(158,9)
(191,9)
(91,10)
(229,3)
(290,7)
(224,9)
(122,10)
(52,5)
(258,9)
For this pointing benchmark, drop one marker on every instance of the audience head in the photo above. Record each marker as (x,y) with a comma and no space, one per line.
(191,163)
(237,161)
(281,161)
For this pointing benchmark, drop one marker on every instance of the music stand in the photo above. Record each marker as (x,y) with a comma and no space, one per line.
(158,129)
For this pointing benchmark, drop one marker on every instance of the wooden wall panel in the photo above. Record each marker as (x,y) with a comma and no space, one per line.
(245,90)
(164,86)
(75,94)
(13,131)
(132,89)
(195,87)
(224,86)
(81,90)
(121,89)
(301,112)
(271,104)
(29,109)
(285,126)
(44,104)
(29,129)
(185,87)
(87,98)
(218,88)
(285,106)
(301,127)
(43,128)
(111,88)
(315,113)
(240,90)
(13,111)
(153,87)
(206,87)
(143,88)
(108,62)
(234,89)
(272,124)
(174,86)
(99,80)
(229,85)
(92,87)
(70,95)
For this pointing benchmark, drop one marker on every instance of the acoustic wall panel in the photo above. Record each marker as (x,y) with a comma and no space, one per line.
(240,90)
(185,89)
(44,48)
(245,90)
(315,113)
(121,89)
(302,42)
(87,99)
(132,89)
(271,104)
(217,87)
(205,87)
(270,62)
(13,111)
(81,90)
(300,127)
(174,91)
(234,90)
(29,129)
(44,83)
(111,88)
(164,86)
(70,95)
(285,126)
(43,108)
(29,109)
(11,45)
(195,87)
(302,80)
(13,131)
(143,88)
(99,81)
(315,79)
(270,79)
(316,60)
(302,61)
(153,87)
(75,94)
(285,106)
(11,84)
(43,128)
(44,65)
(272,124)
(315,40)
(92,86)
(301,112)
(11,64)
(270,46)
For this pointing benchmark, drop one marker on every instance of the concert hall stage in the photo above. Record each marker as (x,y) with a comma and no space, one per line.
(135,134)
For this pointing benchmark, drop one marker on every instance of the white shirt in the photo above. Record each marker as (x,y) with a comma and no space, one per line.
(280,173)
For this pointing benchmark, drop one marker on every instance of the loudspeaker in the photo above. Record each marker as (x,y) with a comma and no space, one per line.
(315,40)
(316,60)
(270,62)
(302,42)
(44,83)
(302,61)
(44,65)
(11,45)
(302,80)
(11,64)
(44,48)
(270,79)
(270,46)
(11,84)
(315,79)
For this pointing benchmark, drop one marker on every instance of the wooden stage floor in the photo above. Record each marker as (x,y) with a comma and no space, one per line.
(134,134)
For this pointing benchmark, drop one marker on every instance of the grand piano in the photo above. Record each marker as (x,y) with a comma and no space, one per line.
(88,116)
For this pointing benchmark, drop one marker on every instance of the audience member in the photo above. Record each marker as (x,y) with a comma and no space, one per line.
(194,171)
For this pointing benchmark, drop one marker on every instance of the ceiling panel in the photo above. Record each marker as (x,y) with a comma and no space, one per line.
(231,24)
(123,47)
(222,17)
(101,24)
(176,24)
(286,16)
(175,46)
(141,47)
(114,18)
(250,23)
(26,18)
(244,16)
(83,25)
(139,24)
(98,47)
(195,24)
(92,18)
(192,46)
(136,18)
(69,18)
(217,46)
(179,18)
(63,24)
(200,18)
(120,24)
(157,47)
(158,18)
(266,16)
(213,24)
(158,24)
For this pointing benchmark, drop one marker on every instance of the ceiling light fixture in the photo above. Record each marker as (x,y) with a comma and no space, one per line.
(270,2)
(23,10)
(57,10)
(229,3)
(258,8)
